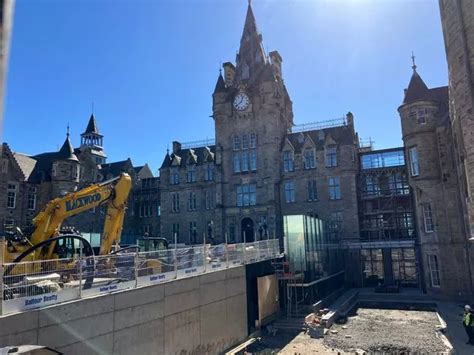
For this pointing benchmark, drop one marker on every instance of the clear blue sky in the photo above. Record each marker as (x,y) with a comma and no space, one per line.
(150,66)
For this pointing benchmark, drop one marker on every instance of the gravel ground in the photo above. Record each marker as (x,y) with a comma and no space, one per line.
(389,331)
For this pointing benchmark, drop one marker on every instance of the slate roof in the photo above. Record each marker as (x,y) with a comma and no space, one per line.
(67,151)
(116,168)
(201,155)
(342,135)
(92,126)
(26,164)
(418,91)
(220,84)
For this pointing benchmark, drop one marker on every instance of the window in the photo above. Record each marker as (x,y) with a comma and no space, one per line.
(427,217)
(191,173)
(246,195)
(372,187)
(32,198)
(210,200)
(331,156)
(176,231)
(245,162)
(288,163)
(253,160)
(209,172)
(398,184)
(309,160)
(414,165)
(334,188)
(236,163)
(312,191)
(434,270)
(175,202)
(253,140)
(289,191)
(245,141)
(4,169)
(11,195)
(421,115)
(158,210)
(192,232)
(174,176)
(145,209)
(192,201)
(236,142)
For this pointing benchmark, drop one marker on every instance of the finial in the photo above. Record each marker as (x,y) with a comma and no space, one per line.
(250,2)
(67,130)
(413,61)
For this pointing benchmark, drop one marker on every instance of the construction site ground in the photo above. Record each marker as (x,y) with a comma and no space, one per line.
(366,330)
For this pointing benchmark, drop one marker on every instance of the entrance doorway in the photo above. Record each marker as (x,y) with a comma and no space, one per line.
(247,228)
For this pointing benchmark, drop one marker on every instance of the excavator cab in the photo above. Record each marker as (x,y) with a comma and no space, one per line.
(152,244)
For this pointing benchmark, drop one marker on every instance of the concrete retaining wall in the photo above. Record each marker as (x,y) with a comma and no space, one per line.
(200,315)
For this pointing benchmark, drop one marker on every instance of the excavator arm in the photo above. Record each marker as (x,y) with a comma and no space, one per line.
(115,191)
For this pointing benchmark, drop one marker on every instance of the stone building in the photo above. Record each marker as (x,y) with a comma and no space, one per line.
(27,183)
(260,166)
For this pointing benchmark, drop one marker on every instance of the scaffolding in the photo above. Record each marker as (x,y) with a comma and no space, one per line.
(388,241)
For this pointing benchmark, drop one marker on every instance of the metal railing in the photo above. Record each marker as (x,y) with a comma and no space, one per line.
(37,284)
(310,126)
(197,144)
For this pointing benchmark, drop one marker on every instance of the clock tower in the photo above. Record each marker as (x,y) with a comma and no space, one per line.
(252,112)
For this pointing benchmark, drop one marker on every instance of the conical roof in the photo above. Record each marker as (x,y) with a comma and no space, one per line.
(417,89)
(92,126)
(67,152)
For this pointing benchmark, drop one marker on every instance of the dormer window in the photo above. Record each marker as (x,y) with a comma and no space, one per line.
(174,176)
(209,173)
(288,163)
(309,159)
(191,173)
(331,156)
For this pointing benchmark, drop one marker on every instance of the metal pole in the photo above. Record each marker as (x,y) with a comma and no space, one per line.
(135,267)
(175,258)
(245,241)
(80,271)
(226,252)
(204,253)
(2,251)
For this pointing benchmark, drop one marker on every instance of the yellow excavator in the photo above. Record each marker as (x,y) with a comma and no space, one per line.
(46,242)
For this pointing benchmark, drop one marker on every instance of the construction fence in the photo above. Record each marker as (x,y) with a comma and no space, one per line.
(38,284)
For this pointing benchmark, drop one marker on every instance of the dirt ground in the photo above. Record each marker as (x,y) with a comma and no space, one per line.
(393,331)
(368,330)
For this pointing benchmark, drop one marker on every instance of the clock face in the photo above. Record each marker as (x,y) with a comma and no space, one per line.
(241,101)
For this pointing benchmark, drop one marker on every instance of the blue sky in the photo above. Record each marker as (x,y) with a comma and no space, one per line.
(150,66)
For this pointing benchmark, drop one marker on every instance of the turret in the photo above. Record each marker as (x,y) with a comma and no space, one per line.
(66,166)
(92,141)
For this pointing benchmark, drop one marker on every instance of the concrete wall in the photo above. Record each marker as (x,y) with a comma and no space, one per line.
(199,315)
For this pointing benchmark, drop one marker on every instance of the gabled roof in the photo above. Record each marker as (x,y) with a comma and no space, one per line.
(203,155)
(26,164)
(342,135)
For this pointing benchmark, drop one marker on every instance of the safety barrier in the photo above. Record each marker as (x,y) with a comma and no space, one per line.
(37,284)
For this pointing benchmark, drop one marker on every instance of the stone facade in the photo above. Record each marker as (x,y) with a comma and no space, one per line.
(253,182)
(429,147)
(27,183)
